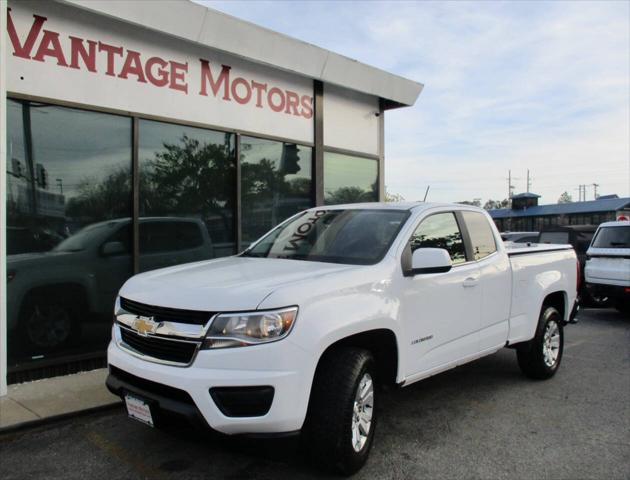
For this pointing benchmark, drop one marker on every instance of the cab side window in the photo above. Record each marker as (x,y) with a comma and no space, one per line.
(440,231)
(481,237)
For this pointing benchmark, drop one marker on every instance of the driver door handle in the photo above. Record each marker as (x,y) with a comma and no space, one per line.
(471,282)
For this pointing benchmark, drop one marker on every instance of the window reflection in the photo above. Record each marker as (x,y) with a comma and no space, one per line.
(440,231)
(481,235)
(187,194)
(349,179)
(275,184)
(68,193)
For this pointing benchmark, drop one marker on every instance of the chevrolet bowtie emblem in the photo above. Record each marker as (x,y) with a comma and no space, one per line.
(145,325)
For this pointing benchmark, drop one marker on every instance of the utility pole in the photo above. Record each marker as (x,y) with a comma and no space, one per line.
(529,183)
(582,192)
(595,185)
(510,188)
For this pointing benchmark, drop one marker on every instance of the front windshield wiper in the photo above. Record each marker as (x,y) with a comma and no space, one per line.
(247,253)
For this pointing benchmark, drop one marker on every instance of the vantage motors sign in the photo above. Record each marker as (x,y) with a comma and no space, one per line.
(62,53)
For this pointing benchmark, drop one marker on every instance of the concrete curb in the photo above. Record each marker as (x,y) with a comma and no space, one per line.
(42,422)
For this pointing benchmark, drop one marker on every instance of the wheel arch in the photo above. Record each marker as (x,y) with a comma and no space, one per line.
(381,343)
(67,290)
(557,300)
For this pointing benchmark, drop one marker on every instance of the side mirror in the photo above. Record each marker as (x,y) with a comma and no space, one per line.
(430,260)
(113,248)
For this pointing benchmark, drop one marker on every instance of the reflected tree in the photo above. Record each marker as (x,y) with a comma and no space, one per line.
(102,200)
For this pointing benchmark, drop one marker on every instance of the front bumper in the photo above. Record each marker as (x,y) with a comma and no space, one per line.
(186,390)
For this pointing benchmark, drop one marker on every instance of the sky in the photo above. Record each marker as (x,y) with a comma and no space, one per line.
(543,86)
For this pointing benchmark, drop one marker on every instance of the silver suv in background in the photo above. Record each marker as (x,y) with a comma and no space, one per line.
(607,269)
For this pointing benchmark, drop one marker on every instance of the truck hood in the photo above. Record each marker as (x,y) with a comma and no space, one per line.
(227,284)
(38,259)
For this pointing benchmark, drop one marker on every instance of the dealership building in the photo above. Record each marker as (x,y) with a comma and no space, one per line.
(137,136)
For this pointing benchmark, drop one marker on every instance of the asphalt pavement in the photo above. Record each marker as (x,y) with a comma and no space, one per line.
(482,420)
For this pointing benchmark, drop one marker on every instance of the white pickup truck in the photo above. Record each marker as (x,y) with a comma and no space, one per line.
(295,333)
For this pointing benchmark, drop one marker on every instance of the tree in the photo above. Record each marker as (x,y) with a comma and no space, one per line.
(476,202)
(349,195)
(496,204)
(393,197)
(565,198)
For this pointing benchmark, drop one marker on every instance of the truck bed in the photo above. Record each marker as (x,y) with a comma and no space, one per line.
(526,248)
(534,268)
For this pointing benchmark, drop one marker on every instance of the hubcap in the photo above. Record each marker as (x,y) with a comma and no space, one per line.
(551,343)
(362,412)
(49,326)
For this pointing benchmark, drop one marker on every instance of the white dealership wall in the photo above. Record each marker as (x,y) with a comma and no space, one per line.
(48,79)
(3,198)
(351,120)
(185,35)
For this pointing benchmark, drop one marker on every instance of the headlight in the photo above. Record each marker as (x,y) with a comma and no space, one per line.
(251,328)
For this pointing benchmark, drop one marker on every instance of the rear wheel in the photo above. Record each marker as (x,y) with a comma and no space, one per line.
(340,422)
(540,357)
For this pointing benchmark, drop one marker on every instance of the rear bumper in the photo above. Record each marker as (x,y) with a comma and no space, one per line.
(617,293)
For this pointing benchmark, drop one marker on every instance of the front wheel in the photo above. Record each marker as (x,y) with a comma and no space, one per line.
(341,418)
(48,323)
(540,357)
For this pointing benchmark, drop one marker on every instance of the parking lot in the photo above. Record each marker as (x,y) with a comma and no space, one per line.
(482,420)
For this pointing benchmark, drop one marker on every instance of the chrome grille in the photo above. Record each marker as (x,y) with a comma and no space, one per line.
(163,314)
(173,350)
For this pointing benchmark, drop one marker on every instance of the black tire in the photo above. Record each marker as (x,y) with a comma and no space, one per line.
(531,355)
(48,323)
(328,429)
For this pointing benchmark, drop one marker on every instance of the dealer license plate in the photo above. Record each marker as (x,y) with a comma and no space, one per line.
(138,409)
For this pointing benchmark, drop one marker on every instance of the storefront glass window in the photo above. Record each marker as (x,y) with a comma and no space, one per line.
(187,196)
(276,183)
(349,179)
(68,235)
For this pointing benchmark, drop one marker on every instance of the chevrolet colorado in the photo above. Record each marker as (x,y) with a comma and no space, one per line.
(295,333)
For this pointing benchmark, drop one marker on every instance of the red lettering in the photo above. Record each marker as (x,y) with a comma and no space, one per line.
(248,90)
(293,101)
(19,50)
(206,76)
(276,107)
(111,51)
(178,74)
(50,46)
(77,49)
(307,106)
(260,88)
(133,66)
(161,79)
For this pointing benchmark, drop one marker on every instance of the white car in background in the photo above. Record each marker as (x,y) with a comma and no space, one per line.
(607,269)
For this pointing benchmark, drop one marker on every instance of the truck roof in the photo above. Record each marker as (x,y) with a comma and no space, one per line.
(618,223)
(392,206)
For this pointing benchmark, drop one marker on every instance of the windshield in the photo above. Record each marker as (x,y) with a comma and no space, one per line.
(353,236)
(612,237)
(84,237)
(554,237)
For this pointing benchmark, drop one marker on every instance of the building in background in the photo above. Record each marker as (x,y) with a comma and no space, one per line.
(526,215)
(142,138)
